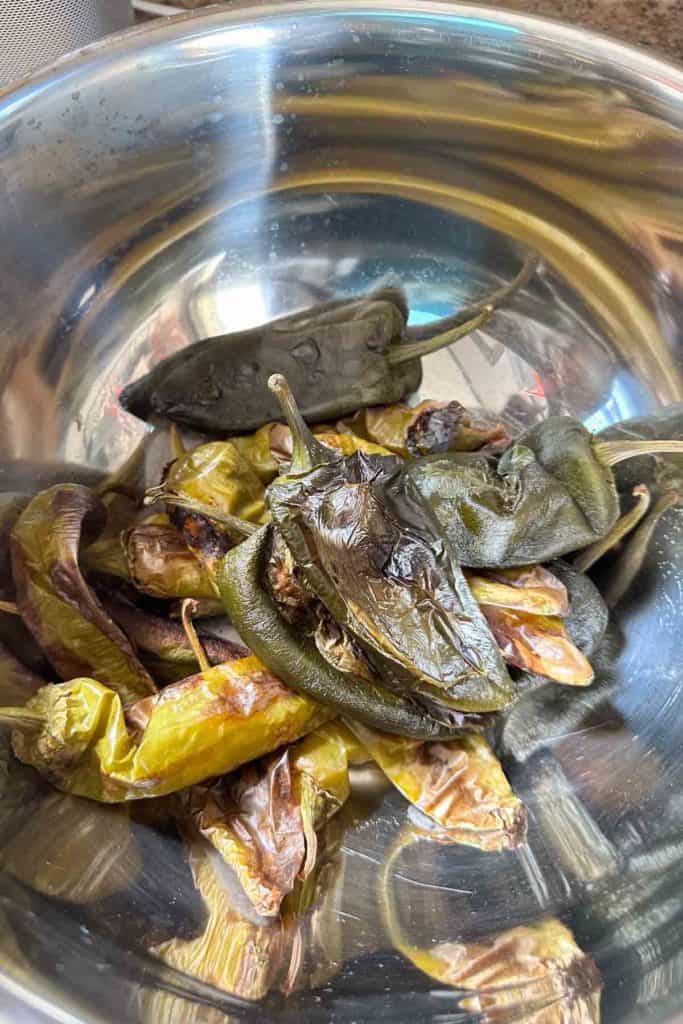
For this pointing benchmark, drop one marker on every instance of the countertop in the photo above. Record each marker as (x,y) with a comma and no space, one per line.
(657,24)
(653,23)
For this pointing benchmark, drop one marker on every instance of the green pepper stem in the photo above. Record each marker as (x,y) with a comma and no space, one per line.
(590,555)
(22,718)
(631,558)
(307,453)
(403,353)
(241,528)
(191,634)
(612,452)
(9,607)
(493,300)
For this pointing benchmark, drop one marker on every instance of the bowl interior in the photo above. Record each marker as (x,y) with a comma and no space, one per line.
(209,173)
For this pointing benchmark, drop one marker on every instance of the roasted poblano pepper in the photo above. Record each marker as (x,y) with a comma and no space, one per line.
(56,603)
(264,819)
(295,658)
(370,550)
(424,429)
(78,735)
(551,492)
(459,784)
(340,356)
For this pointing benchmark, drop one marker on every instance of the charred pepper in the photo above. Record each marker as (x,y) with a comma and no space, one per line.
(370,550)
(551,492)
(295,658)
(340,356)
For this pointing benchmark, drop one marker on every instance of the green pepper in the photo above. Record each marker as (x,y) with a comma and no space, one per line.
(370,550)
(659,473)
(295,659)
(340,356)
(158,640)
(56,603)
(551,492)
(13,632)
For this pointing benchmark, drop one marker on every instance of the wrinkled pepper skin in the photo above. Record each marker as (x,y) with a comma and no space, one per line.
(334,355)
(60,609)
(459,784)
(206,725)
(295,659)
(160,563)
(547,495)
(370,550)
(588,614)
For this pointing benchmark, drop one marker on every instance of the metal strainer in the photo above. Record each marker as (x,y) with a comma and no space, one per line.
(35,32)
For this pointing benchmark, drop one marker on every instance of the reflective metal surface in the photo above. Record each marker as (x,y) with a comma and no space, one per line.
(203,174)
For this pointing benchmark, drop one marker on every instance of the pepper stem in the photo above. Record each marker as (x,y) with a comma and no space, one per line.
(236,527)
(9,607)
(191,634)
(307,453)
(494,300)
(403,353)
(22,718)
(612,452)
(177,445)
(633,555)
(590,555)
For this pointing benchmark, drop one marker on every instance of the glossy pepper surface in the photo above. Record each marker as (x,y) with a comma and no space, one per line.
(78,735)
(369,548)
(339,356)
(264,819)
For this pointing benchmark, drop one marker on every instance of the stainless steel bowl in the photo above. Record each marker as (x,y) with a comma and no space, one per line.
(205,173)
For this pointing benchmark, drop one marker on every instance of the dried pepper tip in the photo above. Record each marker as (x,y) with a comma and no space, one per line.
(590,555)
(405,352)
(307,453)
(610,453)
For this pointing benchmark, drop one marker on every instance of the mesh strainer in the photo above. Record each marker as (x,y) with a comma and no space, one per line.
(34,32)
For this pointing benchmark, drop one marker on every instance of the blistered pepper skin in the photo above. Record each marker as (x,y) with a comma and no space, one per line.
(295,659)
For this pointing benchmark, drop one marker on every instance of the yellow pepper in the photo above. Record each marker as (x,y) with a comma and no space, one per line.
(458,783)
(77,734)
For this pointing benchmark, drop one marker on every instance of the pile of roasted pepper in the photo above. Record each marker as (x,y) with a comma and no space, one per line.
(398,575)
